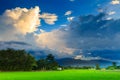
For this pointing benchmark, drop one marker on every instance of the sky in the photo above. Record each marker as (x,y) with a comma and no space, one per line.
(81,29)
(58,7)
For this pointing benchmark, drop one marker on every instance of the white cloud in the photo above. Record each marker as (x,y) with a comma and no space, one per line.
(78,57)
(68,13)
(109,18)
(20,24)
(24,20)
(81,57)
(52,40)
(64,25)
(70,18)
(42,31)
(114,2)
(49,18)
(111,12)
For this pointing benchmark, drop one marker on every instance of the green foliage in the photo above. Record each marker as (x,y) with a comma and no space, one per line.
(110,68)
(114,64)
(16,60)
(118,67)
(47,64)
(51,63)
(113,67)
(20,60)
(41,64)
(97,67)
(50,58)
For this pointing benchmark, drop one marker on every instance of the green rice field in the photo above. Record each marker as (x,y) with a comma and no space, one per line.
(62,75)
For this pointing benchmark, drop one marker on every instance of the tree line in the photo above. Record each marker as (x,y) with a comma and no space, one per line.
(113,66)
(20,60)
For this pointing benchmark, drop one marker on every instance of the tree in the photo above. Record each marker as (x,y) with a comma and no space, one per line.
(41,64)
(51,63)
(50,57)
(114,65)
(20,60)
(16,60)
(110,68)
(97,67)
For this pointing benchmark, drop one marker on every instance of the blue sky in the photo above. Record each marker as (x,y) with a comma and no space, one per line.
(59,7)
(61,27)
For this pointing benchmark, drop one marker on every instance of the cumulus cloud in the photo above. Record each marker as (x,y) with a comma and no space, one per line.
(114,2)
(68,13)
(24,20)
(85,32)
(19,22)
(20,25)
(53,41)
(49,18)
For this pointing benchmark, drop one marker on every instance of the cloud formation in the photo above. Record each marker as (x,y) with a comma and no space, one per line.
(85,32)
(111,12)
(49,18)
(81,57)
(22,19)
(115,2)
(53,41)
(68,13)
(17,23)
(70,18)
(25,20)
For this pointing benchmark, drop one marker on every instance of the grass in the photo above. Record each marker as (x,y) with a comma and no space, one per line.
(62,75)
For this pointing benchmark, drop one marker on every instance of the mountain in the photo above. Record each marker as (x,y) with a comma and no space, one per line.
(78,62)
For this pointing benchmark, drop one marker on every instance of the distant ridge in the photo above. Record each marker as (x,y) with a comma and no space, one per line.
(78,62)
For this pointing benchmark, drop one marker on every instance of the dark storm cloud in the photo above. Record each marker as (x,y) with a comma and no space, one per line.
(93,32)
